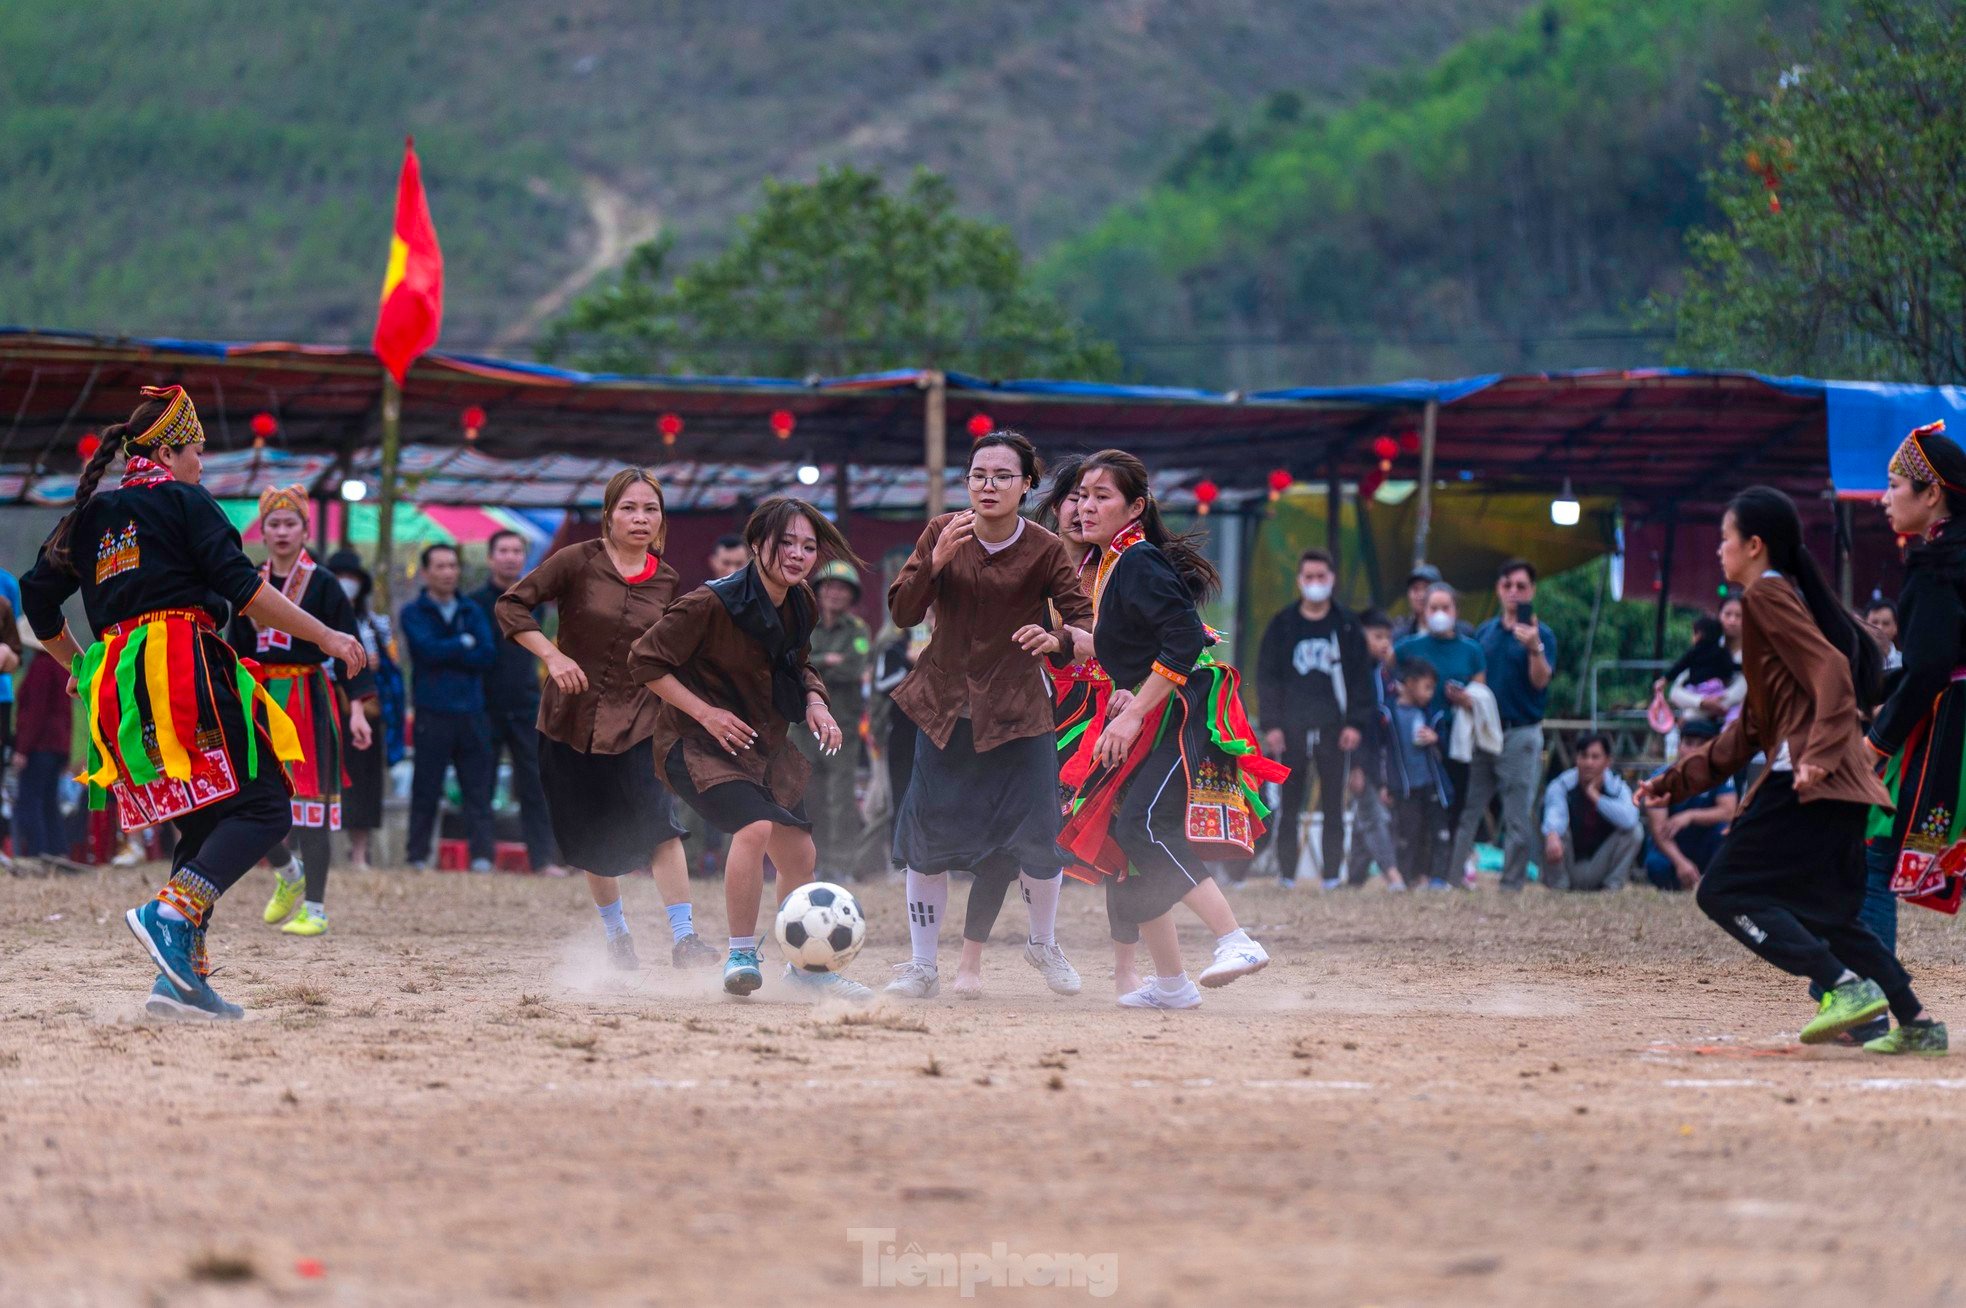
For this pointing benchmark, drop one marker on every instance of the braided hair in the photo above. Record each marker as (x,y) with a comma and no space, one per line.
(56,548)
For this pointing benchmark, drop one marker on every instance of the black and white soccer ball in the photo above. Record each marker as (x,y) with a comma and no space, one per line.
(820,927)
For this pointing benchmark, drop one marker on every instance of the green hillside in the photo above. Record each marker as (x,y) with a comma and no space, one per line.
(226,167)
(1505,208)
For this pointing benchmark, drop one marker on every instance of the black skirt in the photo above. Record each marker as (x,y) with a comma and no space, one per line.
(733,805)
(609,812)
(1807,857)
(361,800)
(965,810)
(1151,826)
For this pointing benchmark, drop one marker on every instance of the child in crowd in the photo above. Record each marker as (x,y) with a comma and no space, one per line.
(1417,777)
(1372,823)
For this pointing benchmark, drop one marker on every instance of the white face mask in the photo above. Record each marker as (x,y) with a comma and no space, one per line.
(350,586)
(1440,622)
(1317,592)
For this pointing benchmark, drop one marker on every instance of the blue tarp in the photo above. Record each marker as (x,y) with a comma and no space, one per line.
(1868,421)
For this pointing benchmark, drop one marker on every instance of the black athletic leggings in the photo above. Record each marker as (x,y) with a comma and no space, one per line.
(314,847)
(222,842)
(1774,886)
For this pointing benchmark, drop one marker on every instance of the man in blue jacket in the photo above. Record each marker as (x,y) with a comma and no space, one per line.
(451,646)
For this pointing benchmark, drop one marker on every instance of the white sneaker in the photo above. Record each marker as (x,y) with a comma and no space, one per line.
(828,985)
(914,980)
(1152,996)
(1234,960)
(1058,971)
(1332,883)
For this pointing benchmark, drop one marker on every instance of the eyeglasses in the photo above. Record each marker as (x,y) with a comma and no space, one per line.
(994,480)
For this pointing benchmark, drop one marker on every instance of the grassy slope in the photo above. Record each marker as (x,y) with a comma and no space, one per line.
(226,166)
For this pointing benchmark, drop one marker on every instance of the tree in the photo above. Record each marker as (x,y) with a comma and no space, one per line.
(1842,250)
(835,276)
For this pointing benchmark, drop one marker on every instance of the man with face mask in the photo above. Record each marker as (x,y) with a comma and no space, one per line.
(1315,699)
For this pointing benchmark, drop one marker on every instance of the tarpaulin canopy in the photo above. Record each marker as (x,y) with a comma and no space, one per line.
(1658,438)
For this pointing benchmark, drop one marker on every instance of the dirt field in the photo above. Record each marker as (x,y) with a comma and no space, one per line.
(1445,1099)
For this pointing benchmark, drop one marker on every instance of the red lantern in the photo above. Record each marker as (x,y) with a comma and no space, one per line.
(1385,449)
(1280,480)
(1206,493)
(782,423)
(980,426)
(1409,441)
(474,422)
(264,425)
(86,447)
(671,426)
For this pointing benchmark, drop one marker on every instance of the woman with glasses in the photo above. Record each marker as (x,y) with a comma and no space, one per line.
(984,793)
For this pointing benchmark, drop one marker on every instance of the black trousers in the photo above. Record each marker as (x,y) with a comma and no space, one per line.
(1423,836)
(1308,753)
(516,733)
(444,741)
(222,842)
(1788,883)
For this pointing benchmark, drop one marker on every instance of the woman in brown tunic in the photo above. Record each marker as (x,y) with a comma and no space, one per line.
(729,662)
(610,814)
(1788,881)
(984,794)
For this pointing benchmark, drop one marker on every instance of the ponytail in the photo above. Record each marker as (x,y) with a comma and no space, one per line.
(56,549)
(1765,512)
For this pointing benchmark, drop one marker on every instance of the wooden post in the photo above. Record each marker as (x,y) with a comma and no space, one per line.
(843,497)
(385,500)
(1334,513)
(1423,523)
(1846,547)
(1665,587)
(935,438)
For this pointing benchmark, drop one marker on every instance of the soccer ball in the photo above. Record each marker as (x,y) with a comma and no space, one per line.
(820,927)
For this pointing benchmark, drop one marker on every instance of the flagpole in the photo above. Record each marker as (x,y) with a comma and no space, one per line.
(385,533)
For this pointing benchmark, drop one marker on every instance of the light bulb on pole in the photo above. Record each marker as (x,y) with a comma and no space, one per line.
(1565,511)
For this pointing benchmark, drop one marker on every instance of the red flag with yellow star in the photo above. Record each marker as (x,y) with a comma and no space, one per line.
(412,308)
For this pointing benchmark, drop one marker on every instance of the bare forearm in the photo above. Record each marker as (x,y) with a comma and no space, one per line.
(62,649)
(536,644)
(671,691)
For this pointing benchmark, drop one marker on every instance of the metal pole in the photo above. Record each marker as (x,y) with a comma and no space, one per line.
(843,497)
(1424,520)
(1665,587)
(1845,548)
(385,500)
(935,438)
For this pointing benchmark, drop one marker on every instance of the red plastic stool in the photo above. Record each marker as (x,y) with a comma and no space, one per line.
(453,856)
(510,856)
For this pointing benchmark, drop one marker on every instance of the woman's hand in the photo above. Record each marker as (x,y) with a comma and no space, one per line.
(1651,792)
(960,531)
(727,729)
(1033,639)
(819,720)
(359,734)
(1116,741)
(566,674)
(341,645)
(1116,703)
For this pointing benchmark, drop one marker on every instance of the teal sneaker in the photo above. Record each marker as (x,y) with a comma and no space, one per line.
(1851,1004)
(1927,1038)
(171,944)
(741,972)
(827,985)
(164,1001)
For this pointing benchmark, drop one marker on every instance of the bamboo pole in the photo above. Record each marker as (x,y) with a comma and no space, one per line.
(935,438)
(385,500)
(1423,524)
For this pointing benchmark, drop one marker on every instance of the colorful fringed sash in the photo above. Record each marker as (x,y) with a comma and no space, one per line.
(140,740)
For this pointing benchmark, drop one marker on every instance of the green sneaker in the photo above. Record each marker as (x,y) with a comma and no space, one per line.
(286,896)
(1851,1004)
(1927,1038)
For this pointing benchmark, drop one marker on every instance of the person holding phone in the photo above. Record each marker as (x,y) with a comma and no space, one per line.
(1521,656)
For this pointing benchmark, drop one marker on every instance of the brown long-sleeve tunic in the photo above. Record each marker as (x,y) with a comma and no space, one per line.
(602,614)
(1799,695)
(698,642)
(971,665)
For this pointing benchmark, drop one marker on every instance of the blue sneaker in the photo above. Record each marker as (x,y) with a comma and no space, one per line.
(827,985)
(172,944)
(207,1007)
(741,972)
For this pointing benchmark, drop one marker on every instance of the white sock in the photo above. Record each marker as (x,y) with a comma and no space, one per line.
(317,909)
(743,942)
(170,914)
(289,872)
(928,900)
(1847,977)
(1042,899)
(1171,985)
(1235,937)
